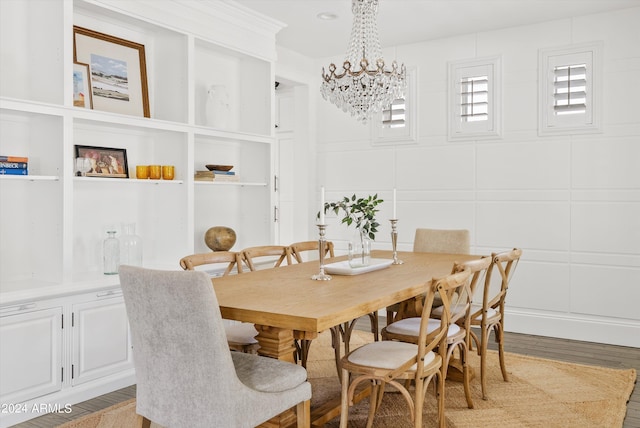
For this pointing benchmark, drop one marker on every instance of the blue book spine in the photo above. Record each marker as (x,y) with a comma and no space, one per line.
(224,172)
(13,165)
(14,171)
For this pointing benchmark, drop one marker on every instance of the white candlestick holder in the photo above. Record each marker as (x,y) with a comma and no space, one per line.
(322,249)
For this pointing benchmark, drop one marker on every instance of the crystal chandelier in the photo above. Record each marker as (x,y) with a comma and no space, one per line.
(370,88)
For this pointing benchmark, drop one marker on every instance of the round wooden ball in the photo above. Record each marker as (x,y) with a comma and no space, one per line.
(220,238)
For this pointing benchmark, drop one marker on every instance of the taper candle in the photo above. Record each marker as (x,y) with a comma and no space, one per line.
(322,205)
(394,204)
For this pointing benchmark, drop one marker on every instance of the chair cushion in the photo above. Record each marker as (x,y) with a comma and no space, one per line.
(387,354)
(267,374)
(241,333)
(455,309)
(490,313)
(411,327)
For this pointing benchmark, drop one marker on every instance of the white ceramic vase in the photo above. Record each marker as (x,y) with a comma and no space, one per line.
(217,108)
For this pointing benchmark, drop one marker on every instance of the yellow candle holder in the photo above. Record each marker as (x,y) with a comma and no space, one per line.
(142,172)
(168,172)
(155,172)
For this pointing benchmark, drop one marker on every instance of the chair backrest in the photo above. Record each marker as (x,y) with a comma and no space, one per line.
(454,241)
(280,253)
(445,287)
(479,269)
(169,313)
(298,248)
(505,264)
(231,258)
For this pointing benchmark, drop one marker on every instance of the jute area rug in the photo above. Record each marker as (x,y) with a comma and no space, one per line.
(540,393)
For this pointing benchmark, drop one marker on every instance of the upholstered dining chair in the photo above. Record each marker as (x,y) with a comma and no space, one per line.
(241,336)
(458,332)
(186,376)
(276,253)
(490,316)
(388,361)
(454,241)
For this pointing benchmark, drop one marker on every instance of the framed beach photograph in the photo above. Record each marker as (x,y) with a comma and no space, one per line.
(118,71)
(105,161)
(82,86)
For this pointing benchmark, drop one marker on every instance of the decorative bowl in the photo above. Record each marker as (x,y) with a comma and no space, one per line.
(219,167)
(220,238)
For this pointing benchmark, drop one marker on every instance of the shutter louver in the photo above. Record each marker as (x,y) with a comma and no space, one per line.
(570,83)
(474,99)
(394,116)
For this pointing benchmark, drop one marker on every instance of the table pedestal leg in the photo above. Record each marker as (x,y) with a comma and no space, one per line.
(455,371)
(276,343)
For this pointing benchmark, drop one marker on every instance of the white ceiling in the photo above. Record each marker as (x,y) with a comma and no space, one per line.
(407,21)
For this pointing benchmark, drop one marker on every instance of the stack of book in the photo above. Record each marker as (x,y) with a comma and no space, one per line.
(226,175)
(204,176)
(14,165)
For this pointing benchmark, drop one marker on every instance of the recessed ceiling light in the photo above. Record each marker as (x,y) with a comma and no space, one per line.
(327,16)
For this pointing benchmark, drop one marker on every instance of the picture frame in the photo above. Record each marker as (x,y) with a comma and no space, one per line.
(82,93)
(105,161)
(118,71)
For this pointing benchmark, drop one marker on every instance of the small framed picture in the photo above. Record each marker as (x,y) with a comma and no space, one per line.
(105,161)
(82,94)
(118,71)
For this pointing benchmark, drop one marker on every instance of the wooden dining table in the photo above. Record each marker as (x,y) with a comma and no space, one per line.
(287,304)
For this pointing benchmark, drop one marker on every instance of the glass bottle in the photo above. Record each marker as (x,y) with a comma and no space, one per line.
(130,246)
(111,253)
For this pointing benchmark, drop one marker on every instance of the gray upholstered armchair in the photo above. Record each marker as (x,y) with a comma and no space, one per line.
(186,374)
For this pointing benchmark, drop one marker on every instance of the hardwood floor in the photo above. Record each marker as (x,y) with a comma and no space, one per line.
(545,347)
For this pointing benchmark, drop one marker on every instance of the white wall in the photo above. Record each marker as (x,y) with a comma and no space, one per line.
(572,203)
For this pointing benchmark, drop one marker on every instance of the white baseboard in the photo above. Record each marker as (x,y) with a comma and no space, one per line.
(575,327)
(610,331)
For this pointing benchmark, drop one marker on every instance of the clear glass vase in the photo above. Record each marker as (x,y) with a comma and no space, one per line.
(111,253)
(360,250)
(130,246)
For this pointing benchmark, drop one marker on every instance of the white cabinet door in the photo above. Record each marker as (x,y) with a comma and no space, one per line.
(101,344)
(30,353)
(284,112)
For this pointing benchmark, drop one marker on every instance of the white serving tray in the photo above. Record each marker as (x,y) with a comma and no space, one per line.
(343,268)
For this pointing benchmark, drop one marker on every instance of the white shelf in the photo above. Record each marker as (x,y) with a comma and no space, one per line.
(229,183)
(127,180)
(114,119)
(29,177)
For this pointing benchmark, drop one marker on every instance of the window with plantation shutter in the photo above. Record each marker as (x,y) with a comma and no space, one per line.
(397,123)
(570,85)
(474,99)
(393,116)
(569,90)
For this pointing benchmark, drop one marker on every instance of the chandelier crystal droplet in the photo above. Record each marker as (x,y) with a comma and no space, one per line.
(363,87)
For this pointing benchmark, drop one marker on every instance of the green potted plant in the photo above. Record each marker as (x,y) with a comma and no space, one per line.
(360,212)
